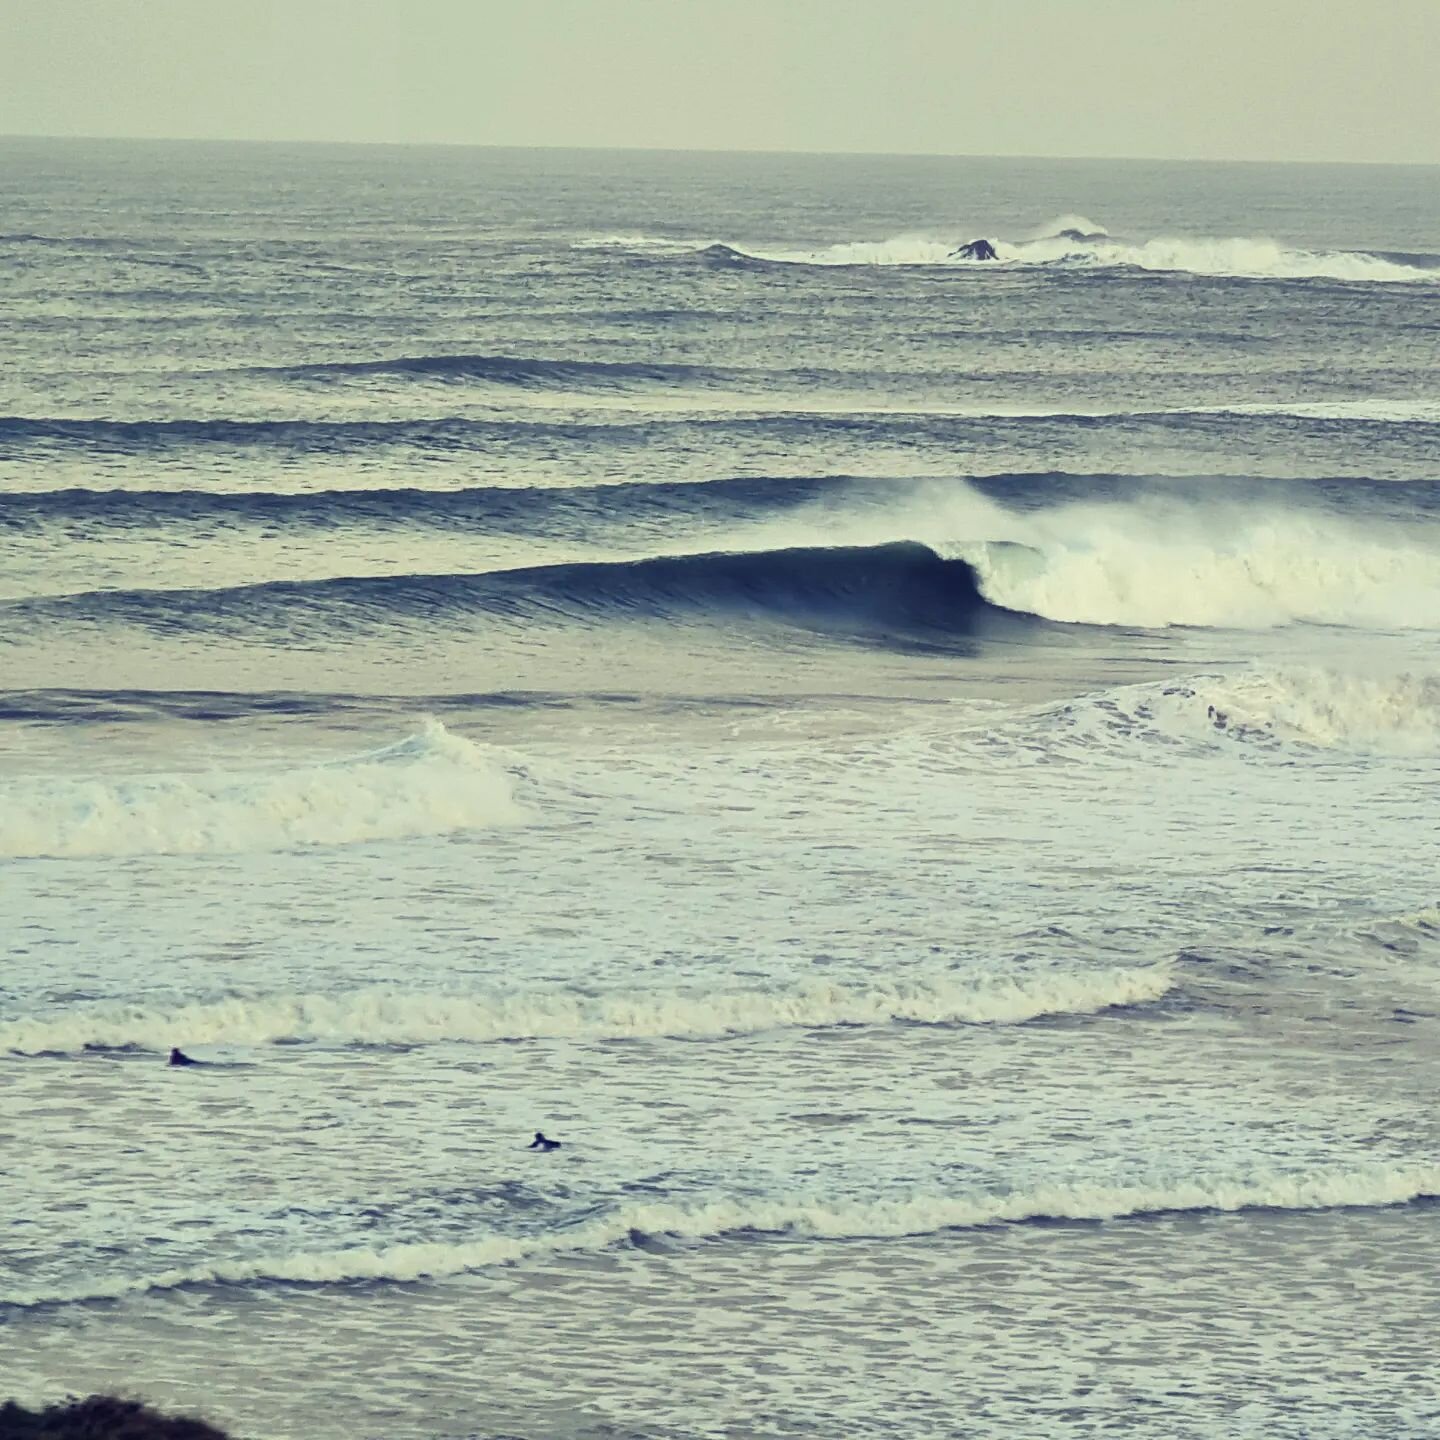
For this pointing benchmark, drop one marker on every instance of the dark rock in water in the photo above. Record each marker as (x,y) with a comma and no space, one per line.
(643,1240)
(100,1417)
(731,259)
(977,250)
(179,1057)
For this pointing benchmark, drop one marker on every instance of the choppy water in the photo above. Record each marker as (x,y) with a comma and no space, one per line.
(921,773)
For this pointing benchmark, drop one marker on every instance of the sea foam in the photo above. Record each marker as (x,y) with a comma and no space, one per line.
(1216,565)
(1239,257)
(390,1016)
(819,1219)
(1310,706)
(432,783)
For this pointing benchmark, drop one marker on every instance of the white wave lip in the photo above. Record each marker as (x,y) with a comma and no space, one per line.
(432,783)
(1364,1187)
(1213,566)
(382,1016)
(1159,562)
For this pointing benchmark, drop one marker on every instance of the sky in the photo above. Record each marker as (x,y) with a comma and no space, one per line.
(1175,79)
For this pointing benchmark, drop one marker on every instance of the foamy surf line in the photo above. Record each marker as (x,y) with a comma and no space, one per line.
(431,783)
(1070,242)
(382,1016)
(1360,1188)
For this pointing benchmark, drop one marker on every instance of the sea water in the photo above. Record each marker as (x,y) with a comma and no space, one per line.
(920,773)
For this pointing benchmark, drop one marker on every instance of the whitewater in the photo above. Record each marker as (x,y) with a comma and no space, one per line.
(918,772)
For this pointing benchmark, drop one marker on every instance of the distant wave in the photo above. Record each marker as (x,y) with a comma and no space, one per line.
(788,419)
(79,242)
(119,707)
(480,507)
(387,1016)
(1366,1187)
(430,784)
(515,370)
(488,508)
(1071,248)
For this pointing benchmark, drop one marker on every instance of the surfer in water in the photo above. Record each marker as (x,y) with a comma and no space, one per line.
(179,1057)
(542,1144)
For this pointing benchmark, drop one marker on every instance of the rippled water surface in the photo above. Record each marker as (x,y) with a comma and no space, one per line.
(920,773)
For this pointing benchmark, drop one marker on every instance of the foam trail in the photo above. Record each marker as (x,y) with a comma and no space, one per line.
(432,783)
(383,1016)
(1305,706)
(1398,714)
(1369,1186)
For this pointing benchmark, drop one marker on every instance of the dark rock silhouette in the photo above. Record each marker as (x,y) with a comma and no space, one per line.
(100,1417)
(977,250)
(177,1057)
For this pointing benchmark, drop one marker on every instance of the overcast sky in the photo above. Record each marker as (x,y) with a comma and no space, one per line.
(1203,79)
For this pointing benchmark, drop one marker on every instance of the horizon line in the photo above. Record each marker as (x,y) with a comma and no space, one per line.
(699,150)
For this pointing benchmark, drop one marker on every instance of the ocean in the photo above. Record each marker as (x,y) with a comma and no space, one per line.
(920,773)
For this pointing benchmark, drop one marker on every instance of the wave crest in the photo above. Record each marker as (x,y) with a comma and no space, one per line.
(387,1016)
(428,784)
(1075,242)
(1154,565)
(1368,1186)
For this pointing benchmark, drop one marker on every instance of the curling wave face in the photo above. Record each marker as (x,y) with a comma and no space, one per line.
(924,565)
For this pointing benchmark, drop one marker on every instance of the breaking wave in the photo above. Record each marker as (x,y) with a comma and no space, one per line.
(1084,245)
(917,1215)
(1157,563)
(1070,241)
(1304,705)
(387,1016)
(1333,710)
(432,783)
(934,565)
